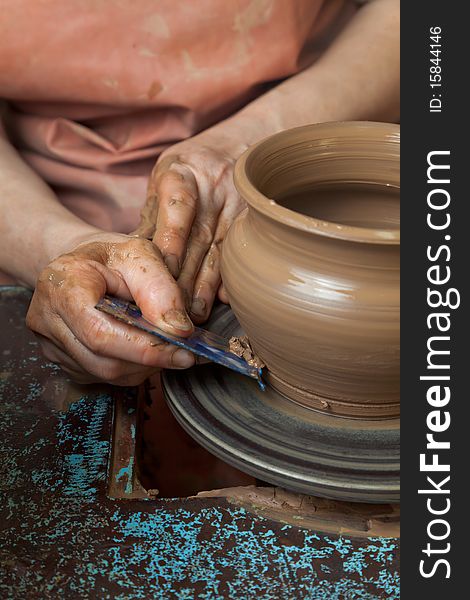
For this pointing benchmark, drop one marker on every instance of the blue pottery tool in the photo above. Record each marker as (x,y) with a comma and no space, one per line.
(201,342)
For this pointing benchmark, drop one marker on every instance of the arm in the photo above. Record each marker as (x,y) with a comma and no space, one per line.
(191,199)
(357,78)
(34,226)
(72,265)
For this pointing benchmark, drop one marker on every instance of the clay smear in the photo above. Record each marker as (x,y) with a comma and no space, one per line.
(242,348)
(320,514)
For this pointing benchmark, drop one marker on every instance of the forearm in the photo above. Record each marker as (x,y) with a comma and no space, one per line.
(357,78)
(34,226)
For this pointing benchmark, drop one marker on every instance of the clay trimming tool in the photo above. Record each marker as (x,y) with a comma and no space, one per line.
(207,344)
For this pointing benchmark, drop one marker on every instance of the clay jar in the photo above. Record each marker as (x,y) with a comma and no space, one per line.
(312,268)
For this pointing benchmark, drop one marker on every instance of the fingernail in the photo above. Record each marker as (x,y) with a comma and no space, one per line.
(198,307)
(178,319)
(172,264)
(182,359)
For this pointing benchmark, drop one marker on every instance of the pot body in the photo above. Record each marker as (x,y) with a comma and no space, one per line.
(319,300)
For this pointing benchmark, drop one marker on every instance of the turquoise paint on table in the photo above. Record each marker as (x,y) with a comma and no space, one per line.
(63,537)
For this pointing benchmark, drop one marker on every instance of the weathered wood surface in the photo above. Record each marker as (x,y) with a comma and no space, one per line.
(62,536)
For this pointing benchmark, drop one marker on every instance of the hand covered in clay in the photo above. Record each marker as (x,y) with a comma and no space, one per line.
(90,345)
(191,203)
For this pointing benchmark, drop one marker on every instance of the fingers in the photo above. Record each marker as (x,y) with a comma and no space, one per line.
(104,337)
(90,369)
(109,351)
(84,340)
(148,217)
(177,193)
(208,278)
(151,285)
(222,293)
(200,241)
(87,334)
(207,284)
(148,214)
(195,202)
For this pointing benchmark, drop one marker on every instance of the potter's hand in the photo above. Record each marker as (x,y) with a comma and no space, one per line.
(191,198)
(90,345)
(191,203)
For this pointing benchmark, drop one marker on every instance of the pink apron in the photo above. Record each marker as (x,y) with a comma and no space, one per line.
(98,89)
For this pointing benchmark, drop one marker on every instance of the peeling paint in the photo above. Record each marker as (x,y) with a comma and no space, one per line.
(63,537)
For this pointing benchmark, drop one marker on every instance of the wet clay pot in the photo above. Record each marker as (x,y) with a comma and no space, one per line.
(312,266)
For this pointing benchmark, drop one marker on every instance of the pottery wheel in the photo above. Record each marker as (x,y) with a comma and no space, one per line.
(278,441)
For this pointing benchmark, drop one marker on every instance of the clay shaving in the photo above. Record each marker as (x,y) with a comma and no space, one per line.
(242,348)
(319,514)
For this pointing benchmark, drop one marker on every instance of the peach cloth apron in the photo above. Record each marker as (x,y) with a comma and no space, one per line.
(97,90)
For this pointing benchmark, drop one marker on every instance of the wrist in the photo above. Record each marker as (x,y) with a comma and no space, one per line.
(284,107)
(243,129)
(60,238)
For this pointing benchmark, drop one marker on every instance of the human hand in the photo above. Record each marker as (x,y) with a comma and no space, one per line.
(191,203)
(90,345)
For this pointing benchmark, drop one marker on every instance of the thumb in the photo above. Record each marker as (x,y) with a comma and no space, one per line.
(153,288)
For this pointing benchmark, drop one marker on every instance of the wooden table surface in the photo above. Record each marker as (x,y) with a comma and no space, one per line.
(63,536)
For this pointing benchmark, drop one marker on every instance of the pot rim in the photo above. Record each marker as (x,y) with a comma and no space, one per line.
(268,207)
